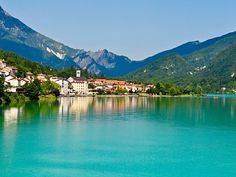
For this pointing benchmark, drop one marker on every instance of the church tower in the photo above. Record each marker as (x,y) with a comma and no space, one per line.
(78,73)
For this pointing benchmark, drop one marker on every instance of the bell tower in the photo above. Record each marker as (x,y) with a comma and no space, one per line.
(78,73)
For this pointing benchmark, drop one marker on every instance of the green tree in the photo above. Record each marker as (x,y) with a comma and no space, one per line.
(32,90)
(198,90)
(173,91)
(1,86)
(161,89)
(168,86)
(152,91)
(91,86)
(120,90)
(188,90)
(48,88)
(100,92)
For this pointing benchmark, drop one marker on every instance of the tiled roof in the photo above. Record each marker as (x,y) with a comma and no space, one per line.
(76,79)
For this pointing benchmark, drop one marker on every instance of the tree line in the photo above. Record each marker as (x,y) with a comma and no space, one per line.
(173,90)
(30,91)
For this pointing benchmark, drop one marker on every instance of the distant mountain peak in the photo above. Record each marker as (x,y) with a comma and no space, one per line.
(17,37)
(1,9)
(3,12)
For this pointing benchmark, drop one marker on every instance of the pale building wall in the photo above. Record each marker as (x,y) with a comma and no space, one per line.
(80,87)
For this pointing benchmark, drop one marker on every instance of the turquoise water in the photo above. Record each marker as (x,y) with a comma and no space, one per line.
(222,95)
(119,137)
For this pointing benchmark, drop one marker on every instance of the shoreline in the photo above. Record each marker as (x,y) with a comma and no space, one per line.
(135,95)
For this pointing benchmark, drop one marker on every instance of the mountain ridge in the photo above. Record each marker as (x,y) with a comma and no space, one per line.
(35,46)
(198,69)
(195,56)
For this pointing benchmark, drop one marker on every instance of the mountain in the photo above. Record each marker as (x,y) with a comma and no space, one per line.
(188,64)
(221,71)
(23,66)
(104,62)
(17,37)
(191,63)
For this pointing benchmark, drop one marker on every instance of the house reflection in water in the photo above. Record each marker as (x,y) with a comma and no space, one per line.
(11,116)
(81,105)
(120,104)
(78,106)
(74,106)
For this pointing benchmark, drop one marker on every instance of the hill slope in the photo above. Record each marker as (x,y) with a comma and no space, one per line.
(201,61)
(17,37)
(23,66)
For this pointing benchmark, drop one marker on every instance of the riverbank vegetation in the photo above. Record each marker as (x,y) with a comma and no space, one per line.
(30,91)
(36,89)
(173,90)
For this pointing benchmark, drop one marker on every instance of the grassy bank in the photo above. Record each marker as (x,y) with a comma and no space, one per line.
(48,98)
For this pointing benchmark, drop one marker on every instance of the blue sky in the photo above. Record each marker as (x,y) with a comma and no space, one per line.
(135,28)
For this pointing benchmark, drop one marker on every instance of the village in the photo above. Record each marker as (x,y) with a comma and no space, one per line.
(72,86)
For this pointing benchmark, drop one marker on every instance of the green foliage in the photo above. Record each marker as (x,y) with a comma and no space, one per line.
(212,67)
(23,66)
(91,86)
(66,73)
(1,86)
(47,98)
(171,89)
(48,88)
(170,68)
(4,97)
(188,90)
(198,90)
(120,91)
(17,99)
(33,90)
(152,91)
(101,92)
(160,88)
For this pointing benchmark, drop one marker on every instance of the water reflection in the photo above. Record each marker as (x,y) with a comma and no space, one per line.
(195,110)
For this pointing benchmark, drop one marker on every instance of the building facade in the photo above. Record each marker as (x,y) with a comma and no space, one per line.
(79,85)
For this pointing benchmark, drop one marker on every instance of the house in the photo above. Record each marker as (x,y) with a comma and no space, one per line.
(9,77)
(30,76)
(5,71)
(2,64)
(79,85)
(108,82)
(149,86)
(15,83)
(133,87)
(42,77)
(64,84)
(14,70)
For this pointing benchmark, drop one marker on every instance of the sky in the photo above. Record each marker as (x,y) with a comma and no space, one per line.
(134,28)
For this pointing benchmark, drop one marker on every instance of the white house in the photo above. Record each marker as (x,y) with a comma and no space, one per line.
(9,77)
(15,83)
(42,77)
(5,71)
(79,85)
(64,84)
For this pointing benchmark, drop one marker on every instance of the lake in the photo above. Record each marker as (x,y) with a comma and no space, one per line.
(119,137)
